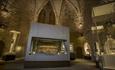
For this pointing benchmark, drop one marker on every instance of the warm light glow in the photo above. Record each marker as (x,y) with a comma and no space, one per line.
(98,48)
(113,53)
(97,27)
(34,52)
(18,48)
(100,27)
(87,48)
(71,48)
(1,29)
(113,25)
(80,26)
(13,31)
(14,37)
(5,14)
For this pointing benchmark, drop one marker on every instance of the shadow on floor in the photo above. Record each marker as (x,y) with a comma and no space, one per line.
(77,64)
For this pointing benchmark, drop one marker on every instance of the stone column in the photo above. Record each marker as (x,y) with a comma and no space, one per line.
(88,23)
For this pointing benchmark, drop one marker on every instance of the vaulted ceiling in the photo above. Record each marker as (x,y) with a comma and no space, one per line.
(101,2)
(64,12)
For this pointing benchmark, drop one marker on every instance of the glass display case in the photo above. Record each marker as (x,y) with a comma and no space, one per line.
(47,46)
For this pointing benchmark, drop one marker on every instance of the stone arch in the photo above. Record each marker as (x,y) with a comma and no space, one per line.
(69,13)
(69,17)
(76,5)
(39,5)
(79,21)
(47,14)
(56,8)
(57,4)
(41,16)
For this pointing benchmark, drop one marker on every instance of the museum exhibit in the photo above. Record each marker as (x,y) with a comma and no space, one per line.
(47,43)
(57,34)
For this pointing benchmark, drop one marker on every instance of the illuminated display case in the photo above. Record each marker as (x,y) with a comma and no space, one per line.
(47,44)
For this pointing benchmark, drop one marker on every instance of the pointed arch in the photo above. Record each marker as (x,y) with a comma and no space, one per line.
(39,5)
(47,14)
(68,15)
(76,5)
(57,4)
(76,20)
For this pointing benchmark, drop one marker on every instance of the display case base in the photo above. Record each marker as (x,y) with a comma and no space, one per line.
(8,57)
(46,64)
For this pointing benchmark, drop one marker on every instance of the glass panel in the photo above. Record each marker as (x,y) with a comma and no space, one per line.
(47,46)
(109,45)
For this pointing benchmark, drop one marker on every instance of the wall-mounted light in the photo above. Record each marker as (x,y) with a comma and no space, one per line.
(4,13)
(3,8)
(80,26)
(18,48)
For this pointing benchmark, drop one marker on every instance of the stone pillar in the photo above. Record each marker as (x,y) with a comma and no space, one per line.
(88,22)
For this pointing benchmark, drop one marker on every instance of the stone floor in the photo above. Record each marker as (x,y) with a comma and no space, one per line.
(78,64)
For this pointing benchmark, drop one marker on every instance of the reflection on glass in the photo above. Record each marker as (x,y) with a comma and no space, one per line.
(47,46)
